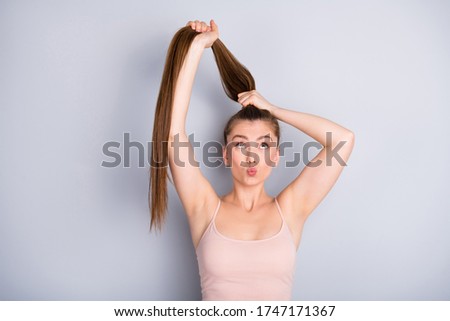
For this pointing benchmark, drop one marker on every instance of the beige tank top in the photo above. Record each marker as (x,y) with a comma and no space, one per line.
(233,269)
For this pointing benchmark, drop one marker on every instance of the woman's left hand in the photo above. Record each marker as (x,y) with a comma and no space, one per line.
(254,98)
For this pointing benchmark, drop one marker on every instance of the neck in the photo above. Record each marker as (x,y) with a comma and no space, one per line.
(247,197)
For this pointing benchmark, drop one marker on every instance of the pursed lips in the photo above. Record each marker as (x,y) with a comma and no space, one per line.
(251,171)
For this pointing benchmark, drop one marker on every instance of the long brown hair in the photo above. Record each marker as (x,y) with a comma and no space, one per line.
(235,79)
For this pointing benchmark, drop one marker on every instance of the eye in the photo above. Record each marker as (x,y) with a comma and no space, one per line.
(240,145)
(264,145)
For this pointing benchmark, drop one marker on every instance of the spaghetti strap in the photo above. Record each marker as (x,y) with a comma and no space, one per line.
(208,228)
(217,210)
(279,209)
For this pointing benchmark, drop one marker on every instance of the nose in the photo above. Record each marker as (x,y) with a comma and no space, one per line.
(250,158)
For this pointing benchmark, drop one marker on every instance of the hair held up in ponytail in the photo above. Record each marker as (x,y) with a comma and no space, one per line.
(235,79)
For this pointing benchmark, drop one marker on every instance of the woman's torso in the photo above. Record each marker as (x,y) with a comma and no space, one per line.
(246,256)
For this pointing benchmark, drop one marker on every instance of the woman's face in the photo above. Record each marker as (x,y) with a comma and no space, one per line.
(251,151)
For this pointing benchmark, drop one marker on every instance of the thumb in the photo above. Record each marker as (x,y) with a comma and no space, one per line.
(213,25)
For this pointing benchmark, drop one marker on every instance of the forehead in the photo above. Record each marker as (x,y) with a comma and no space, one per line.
(252,129)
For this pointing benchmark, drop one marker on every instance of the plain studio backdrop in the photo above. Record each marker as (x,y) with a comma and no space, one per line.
(76,75)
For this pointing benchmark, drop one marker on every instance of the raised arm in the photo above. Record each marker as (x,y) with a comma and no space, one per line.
(192,187)
(314,182)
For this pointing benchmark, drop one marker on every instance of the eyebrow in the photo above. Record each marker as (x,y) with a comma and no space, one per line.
(245,137)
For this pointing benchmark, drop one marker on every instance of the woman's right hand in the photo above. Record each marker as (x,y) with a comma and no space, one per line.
(208,34)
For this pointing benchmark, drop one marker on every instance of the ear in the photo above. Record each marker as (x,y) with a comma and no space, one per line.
(225,155)
(277,156)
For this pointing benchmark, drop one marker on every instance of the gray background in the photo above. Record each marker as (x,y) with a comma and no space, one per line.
(77,74)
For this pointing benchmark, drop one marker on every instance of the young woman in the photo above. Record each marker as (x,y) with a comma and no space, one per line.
(246,240)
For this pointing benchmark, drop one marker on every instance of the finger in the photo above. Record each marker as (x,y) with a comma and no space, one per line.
(245,102)
(241,98)
(245,96)
(241,101)
(214,26)
(197,25)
